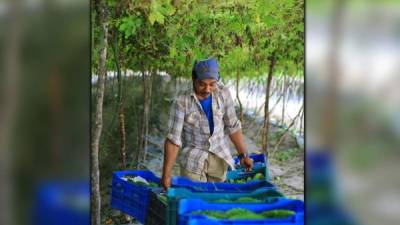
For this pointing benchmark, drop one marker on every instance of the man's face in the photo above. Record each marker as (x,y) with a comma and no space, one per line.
(204,87)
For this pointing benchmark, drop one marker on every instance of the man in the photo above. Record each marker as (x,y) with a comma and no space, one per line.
(198,121)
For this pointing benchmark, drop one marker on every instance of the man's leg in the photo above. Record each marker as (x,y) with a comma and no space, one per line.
(216,168)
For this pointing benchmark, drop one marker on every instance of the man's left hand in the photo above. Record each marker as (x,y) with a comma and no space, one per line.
(247,162)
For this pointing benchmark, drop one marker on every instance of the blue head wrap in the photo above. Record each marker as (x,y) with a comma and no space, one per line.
(206,69)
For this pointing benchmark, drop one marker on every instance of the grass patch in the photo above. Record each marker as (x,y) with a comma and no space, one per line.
(285,155)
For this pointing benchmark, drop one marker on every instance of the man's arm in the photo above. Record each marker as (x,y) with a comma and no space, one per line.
(170,154)
(173,141)
(234,129)
(237,140)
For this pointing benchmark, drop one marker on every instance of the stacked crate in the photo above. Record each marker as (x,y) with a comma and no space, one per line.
(186,198)
(130,198)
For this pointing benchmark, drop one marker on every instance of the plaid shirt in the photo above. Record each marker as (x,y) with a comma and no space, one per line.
(188,128)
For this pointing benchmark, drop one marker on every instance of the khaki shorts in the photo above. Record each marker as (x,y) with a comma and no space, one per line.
(214,170)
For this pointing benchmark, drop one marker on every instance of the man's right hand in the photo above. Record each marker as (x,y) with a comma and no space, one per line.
(247,162)
(166,181)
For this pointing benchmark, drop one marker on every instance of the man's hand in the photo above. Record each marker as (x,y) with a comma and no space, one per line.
(166,181)
(247,162)
(237,139)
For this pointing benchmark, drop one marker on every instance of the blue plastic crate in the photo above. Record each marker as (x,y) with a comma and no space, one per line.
(219,187)
(259,163)
(187,206)
(157,210)
(320,165)
(202,221)
(176,194)
(242,174)
(321,178)
(130,198)
(328,214)
(62,203)
(258,159)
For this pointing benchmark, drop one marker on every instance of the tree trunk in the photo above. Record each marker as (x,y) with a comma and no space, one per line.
(122,134)
(148,82)
(301,123)
(117,58)
(283,101)
(264,134)
(141,129)
(176,3)
(237,95)
(283,136)
(9,98)
(114,48)
(329,119)
(147,85)
(96,134)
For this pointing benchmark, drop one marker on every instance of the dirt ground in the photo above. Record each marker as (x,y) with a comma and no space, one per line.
(287,174)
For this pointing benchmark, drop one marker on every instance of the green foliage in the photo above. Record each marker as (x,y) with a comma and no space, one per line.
(243,35)
(163,198)
(250,177)
(148,184)
(282,156)
(240,213)
(277,214)
(211,214)
(285,155)
(247,199)
(129,26)
(240,200)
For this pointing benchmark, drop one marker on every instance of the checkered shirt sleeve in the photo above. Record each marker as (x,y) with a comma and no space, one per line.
(175,122)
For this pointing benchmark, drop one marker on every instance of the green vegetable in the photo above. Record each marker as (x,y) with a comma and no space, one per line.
(239,213)
(258,176)
(241,181)
(222,200)
(153,184)
(247,199)
(140,183)
(241,199)
(163,198)
(277,214)
(150,184)
(211,214)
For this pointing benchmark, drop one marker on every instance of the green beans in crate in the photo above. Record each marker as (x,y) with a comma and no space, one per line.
(281,211)
(176,194)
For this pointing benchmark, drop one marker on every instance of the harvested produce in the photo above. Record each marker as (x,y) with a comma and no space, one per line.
(241,199)
(257,176)
(239,213)
(137,180)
